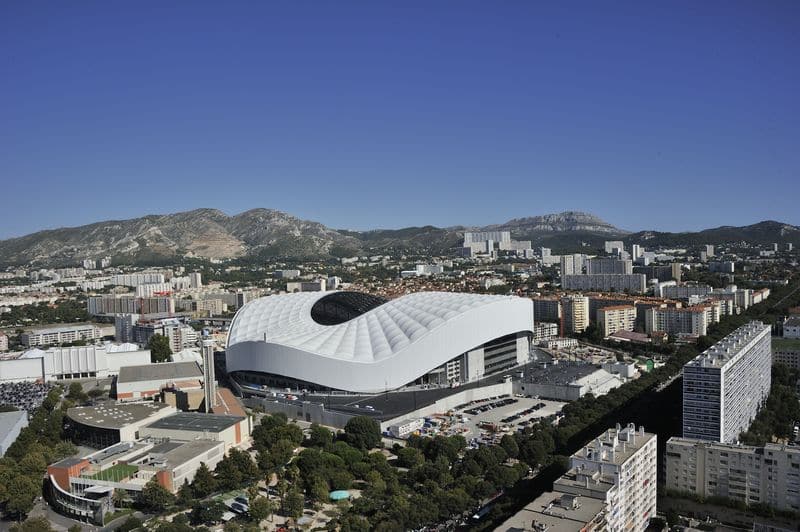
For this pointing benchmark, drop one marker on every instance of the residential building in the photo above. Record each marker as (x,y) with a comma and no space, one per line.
(606,282)
(547,309)
(722,267)
(471,237)
(3,342)
(575,311)
(195,280)
(791,327)
(636,252)
(123,327)
(689,321)
(787,356)
(429,269)
(135,279)
(572,264)
(709,250)
(60,335)
(610,485)
(306,286)
(286,274)
(610,245)
(604,265)
(661,273)
(153,289)
(724,387)
(768,475)
(543,331)
(616,318)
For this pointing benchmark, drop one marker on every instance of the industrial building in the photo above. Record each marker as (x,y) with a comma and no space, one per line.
(610,485)
(361,343)
(767,475)
(60,363)
(233,431)
(11,424)
(109,423)
(135,383)
(725,386)
(567,381)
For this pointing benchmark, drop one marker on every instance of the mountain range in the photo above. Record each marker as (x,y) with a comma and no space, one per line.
(262,233)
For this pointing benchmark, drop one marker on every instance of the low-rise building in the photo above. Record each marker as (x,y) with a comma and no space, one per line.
(567,381)
(11,424)
(60,335)
(109,422)
(233,431)
(791,327)
(135,383)
(59,363)
(406,428)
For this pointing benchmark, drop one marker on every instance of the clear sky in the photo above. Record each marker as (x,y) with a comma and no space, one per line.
(653,115)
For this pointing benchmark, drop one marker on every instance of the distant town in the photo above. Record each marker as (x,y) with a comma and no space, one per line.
(495,386)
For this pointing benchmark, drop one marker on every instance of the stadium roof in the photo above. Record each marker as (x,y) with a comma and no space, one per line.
(165,371)
(357,342)
(196,422)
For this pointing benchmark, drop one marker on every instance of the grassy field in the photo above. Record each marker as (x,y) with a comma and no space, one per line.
(116,473)
(785,344)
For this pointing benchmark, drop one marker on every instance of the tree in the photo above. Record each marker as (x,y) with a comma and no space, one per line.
(409,457)
(160,350)
(131,523)
(206,513)
(34,524)
(75,528)
(204,483)
(293,506)
(509,445)
(155,497)
(319,436)
(261,508)
(21,492)
(185,494)
(363,432)
(76,393)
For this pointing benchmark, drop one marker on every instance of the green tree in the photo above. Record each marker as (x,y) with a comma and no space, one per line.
(34,524)
(261,508)
(509,445)
(206,512)
(409,457)
(160,350)
(131,523)
(155,497)
(319,436)
(21,492)
(293,506)
(75,528)
(362,432)
(76,393)
(204,483)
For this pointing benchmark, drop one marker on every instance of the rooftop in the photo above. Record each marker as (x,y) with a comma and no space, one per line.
(62,328)
(794,321)
(167,371)
(111,415)
(195,421)
(555,511)
(617,307)
(562,373)
(722,352)
(9,419)
(615,445)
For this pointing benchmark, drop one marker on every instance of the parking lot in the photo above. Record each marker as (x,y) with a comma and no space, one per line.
(483,422)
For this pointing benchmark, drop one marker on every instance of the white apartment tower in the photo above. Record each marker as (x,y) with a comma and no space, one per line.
(724,387)
(209,377)
(195,279)
(620,467)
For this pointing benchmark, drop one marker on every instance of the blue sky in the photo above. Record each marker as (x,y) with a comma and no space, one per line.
(652,115)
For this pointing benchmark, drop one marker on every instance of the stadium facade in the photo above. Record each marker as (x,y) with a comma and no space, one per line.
(361,343)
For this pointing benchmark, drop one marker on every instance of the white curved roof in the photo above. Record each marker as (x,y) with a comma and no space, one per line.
(425,329)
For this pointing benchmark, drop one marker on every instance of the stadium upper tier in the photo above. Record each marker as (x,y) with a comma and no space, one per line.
(357,342)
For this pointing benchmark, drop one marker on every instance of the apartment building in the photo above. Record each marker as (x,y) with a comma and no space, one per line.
(60,335)
(616,318)
(611,485)
(575,312)
(635,283)
(544,331)
(547,308)
(724,387)
(752,475)
(135,279)
(604,265)
(572,264)
(685,291)
(104,305)
(689,321)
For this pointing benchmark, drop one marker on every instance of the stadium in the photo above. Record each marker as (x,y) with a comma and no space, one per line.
(359,343)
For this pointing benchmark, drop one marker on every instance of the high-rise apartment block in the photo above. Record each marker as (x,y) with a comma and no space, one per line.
(572,264)
(195,279)
(483,236)
(709,250)
(604,265)
(575,313)
(610,485)
(635,283)
(611,245)
(767,475)
(547,309)
(636,251)
(616,318)
(724,387)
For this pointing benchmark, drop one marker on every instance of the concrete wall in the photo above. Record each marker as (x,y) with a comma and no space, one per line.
(306,411)
(21,369)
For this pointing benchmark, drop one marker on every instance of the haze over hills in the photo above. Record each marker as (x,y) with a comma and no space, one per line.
(267,232)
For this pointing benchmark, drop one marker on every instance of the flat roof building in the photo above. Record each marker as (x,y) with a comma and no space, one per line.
(724,387)
(110,422)
(232,430)
(145,382)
